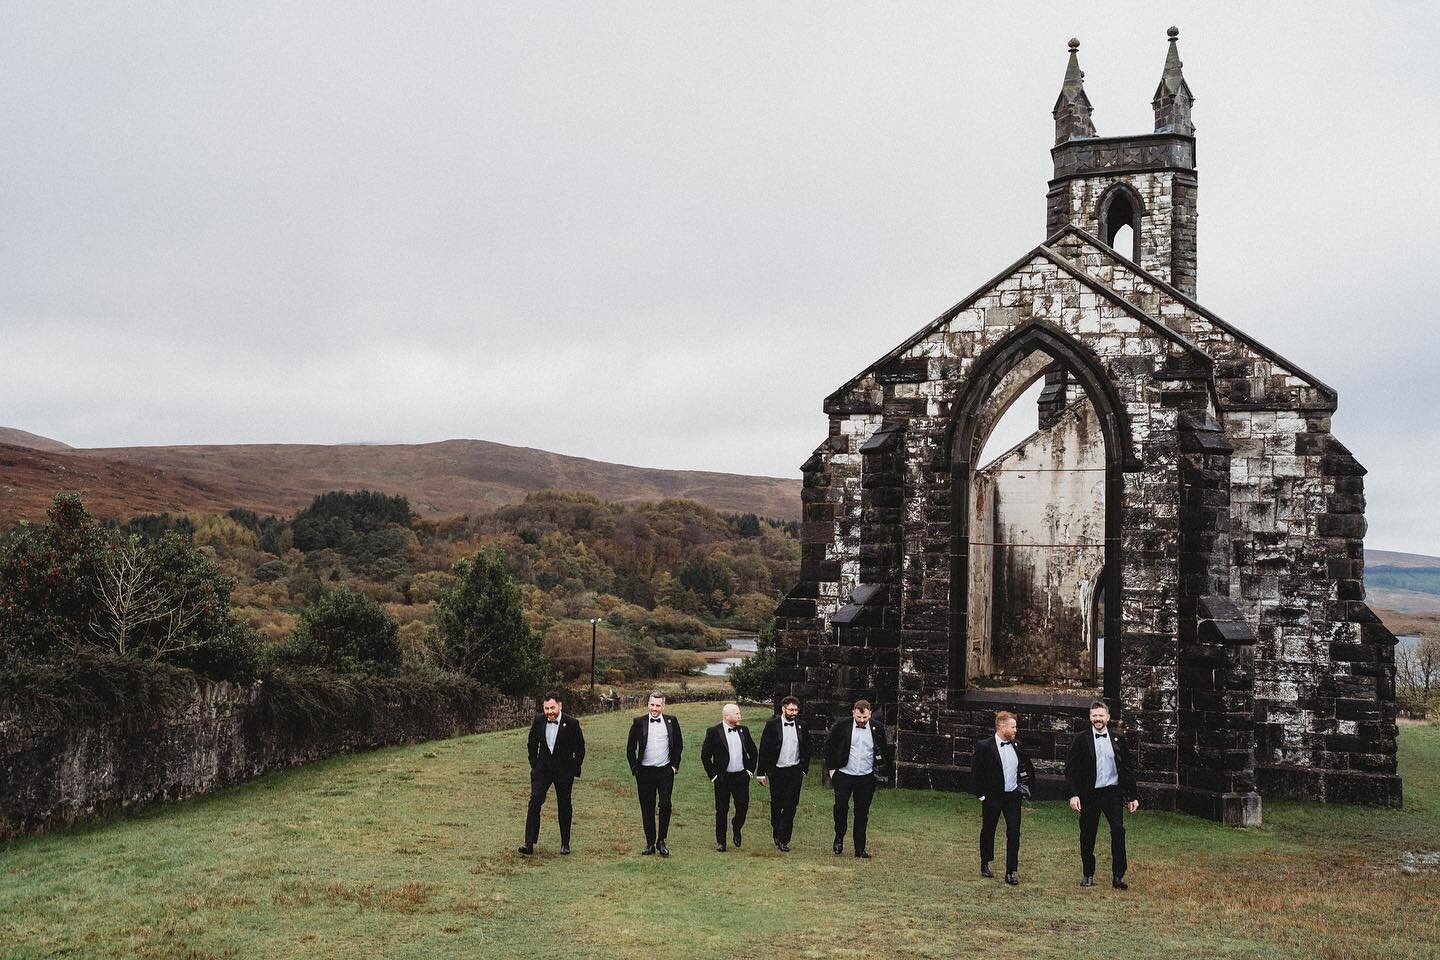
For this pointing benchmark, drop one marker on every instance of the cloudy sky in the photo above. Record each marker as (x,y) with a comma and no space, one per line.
(661,233)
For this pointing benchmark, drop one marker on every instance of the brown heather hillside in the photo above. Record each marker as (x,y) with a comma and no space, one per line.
(440,479)
(29,479)
(24,438)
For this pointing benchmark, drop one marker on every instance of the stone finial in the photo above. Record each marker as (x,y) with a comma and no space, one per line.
(1173,98)
(1072,108)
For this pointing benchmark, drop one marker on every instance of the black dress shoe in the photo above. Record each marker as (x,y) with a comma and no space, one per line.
(565,849)
(1011,879)
(862,854)
(985,871)
(1119,884)
(527,849)
(1087,881)
(648,851)
(720,847)
(661,849)
(736,838)
(839,847)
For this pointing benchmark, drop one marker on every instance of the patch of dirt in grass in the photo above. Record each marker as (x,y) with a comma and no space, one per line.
(406,898)
(195,902)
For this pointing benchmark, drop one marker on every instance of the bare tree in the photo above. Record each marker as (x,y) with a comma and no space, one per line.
(137,608)
(1417,675)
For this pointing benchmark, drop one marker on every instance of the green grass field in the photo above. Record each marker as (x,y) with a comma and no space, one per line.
(410,852)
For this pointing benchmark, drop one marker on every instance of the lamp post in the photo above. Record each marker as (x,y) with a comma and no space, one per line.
(592,655)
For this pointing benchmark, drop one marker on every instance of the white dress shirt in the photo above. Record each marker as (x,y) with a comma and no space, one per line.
(789,744)
(862,752)
(1009,763)
(737,749)
(552,730)
(657,745)
(1106,774)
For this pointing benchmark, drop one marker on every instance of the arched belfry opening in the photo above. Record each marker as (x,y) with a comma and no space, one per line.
(1036,525)
(1119,216)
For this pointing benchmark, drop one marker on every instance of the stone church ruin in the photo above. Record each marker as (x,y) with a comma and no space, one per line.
(1180,533)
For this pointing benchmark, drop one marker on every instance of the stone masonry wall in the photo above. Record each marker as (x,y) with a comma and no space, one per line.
(1324,664)
(913,391)
(220,735)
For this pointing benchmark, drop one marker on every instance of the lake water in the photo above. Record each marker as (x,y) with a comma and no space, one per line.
(719,668)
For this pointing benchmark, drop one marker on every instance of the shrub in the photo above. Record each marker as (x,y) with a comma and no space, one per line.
(684,661)
(671,628)
(483,626)
(346,632)
(428,586)
(271,570)
(47,576)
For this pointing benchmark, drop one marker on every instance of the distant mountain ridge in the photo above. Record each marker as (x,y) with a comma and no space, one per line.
(1390,558)
(31,441)
(441,479)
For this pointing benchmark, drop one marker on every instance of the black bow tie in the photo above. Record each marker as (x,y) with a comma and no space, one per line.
(654,719)
(1006,743)
(1101,736)
(859,726)
(732,730)
(553,722)
(789,723)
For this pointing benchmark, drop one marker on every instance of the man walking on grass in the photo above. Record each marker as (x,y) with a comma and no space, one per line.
(856,757)
(728,755)
(654,749)
(784,761)
(1000,771)
(1102,783)
(557,752)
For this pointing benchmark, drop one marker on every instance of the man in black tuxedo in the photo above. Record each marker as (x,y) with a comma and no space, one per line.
(557,752)
(1102,782)
(654,751)
(728,756)
(784,760)
(1001,774)
(856,757)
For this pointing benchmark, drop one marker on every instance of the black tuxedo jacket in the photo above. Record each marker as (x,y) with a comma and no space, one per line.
(715,751)
(770,742)
(569,755)
(1080,765)
(987,775)
(640,736)
(837,746)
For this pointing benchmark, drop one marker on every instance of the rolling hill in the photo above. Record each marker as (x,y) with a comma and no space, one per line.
(24,438)
(440,479)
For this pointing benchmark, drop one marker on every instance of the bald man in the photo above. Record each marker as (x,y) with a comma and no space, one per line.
(728,755)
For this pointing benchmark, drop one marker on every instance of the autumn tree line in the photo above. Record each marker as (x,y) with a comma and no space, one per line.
(356,585)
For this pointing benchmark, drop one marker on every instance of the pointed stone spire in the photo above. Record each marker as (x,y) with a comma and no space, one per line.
(1072,109)
(1173,97)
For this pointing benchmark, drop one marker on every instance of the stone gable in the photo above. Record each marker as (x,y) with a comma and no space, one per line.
(1226,624)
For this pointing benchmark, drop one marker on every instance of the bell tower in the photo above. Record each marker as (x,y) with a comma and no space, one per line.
(1146,182)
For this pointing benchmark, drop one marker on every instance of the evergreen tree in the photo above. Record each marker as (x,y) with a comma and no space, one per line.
(754,677)
(482,623)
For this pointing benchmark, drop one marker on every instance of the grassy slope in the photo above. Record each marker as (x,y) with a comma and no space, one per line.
(409,852)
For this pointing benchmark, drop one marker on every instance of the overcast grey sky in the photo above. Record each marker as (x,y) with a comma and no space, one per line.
(661,233)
